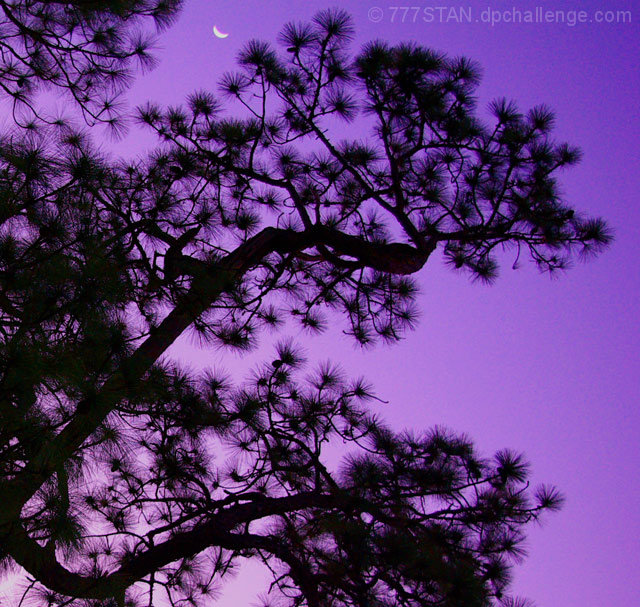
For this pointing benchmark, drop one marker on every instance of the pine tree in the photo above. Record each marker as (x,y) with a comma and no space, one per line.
(85,48)
(124,477)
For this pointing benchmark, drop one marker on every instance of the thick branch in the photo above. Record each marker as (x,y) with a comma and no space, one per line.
(395,258)
(215,531)
(93,410)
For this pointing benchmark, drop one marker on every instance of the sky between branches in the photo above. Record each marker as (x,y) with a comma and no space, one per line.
(546,367)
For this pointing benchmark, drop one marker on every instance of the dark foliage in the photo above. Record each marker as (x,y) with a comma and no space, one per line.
(124,477)
(84,47)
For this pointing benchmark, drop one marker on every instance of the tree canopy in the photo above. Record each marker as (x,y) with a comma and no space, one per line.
(85,48)
(125,477)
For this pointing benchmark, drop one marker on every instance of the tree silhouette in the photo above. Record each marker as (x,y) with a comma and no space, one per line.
(124,477)
(84,47)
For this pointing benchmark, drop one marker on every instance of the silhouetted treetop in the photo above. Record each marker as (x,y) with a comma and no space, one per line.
(349,213)
(123,475)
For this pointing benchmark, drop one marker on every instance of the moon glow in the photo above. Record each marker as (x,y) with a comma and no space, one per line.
(218,33)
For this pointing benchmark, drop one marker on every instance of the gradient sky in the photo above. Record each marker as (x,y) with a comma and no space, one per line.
(547,367)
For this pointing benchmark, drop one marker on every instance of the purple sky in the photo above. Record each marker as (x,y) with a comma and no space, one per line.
(548,367)
(543,366)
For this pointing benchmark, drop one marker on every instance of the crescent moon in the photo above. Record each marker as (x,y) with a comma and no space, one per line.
(218,33)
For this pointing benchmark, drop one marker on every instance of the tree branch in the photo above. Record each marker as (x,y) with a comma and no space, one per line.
(215,531)
(396,258)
